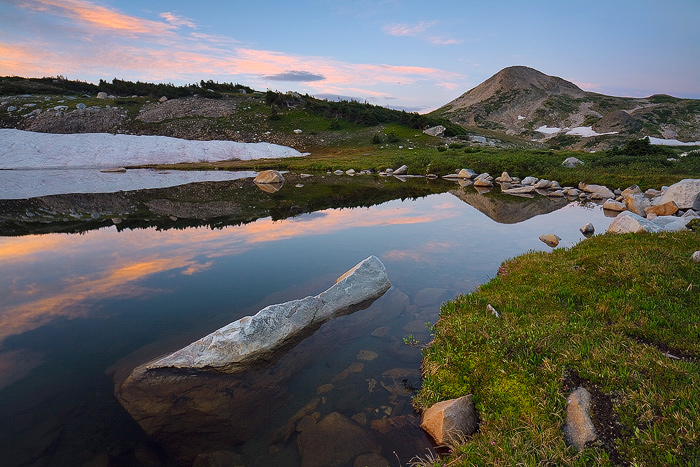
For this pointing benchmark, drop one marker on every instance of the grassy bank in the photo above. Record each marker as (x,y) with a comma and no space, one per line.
(614,170)
(618,314)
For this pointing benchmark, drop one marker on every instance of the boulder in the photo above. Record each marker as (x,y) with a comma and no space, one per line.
(629,222)
(572,162)
(335,440)
(579,428)
(298,131)
(504,178)
(587,229)
(234,347)
(597,191)
(696,257)
(450,420)
(556,194)
(612,205)
(636,203)
(671,223)
(466,173)
(163,99)
(550,239)
(269,176)
(102,95)
(350,172)
(686,194)
(403,170)
(438,130)
(530,180)
(543,184)
(483,180)
(666,209)
(633,190)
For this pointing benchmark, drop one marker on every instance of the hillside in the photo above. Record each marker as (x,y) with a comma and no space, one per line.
(204,111)
(519,100)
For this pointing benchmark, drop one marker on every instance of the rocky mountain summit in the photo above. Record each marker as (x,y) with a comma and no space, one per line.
(525,103)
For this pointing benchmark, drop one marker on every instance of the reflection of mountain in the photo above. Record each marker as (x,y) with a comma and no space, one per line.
(213,204)
(507,209)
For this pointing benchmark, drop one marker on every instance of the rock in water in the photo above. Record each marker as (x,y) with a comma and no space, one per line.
(235,346)
(587,229)
(269,176)
(452,419)
(403,170)
(550,239)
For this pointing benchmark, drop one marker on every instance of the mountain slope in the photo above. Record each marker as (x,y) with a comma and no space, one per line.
(519,100)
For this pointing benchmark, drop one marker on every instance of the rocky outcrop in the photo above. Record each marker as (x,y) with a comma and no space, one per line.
(237,346)
(450,420)
(616,121)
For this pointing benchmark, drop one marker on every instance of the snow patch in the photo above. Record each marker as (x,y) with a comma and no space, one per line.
(672,142)
(548,130)
(587,131)
(27,150)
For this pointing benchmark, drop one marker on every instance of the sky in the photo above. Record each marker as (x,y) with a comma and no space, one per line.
(412,55)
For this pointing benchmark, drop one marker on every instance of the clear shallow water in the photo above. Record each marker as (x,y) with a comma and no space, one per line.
(29,183)
(78,308)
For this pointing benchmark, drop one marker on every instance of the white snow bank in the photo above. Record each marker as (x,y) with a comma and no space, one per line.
(672,142)
(548,130)
(25,150)
(587,131)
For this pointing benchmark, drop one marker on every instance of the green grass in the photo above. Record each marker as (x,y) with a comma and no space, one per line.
(601,313)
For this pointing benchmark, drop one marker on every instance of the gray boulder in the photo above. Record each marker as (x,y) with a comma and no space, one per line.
(403,170)
(696,257)
(530,180)
(587,229)
(522,190)
(579,428)
(102,95)
(637,203)
(686,194)
(466,173)
(438,130)
(504,178)
(671,223)
(483,180)
(629,222)
(597,191)
(236,346)
(572,162)
(450,420)
(543,184)
(633,190)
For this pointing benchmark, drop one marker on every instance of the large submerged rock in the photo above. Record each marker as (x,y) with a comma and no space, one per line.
(236,346)
(221,390)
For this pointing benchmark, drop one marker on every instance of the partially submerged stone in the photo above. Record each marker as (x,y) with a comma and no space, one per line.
(587,229)
(550,239)
(450,420)
(269,176)
(236,345)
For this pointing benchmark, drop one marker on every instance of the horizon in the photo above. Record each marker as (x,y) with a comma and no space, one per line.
(393,53)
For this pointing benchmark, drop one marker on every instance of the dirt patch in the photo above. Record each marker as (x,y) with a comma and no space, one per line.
(605,420)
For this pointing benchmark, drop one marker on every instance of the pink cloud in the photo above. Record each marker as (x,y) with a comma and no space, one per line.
(408,30)
(177,20)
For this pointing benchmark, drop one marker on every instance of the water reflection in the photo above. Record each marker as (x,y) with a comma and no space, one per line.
(75,305)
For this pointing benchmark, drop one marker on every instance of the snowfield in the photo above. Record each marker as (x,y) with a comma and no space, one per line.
(672,142)
(29,150)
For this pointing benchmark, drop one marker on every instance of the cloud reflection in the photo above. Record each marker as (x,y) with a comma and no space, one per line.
(106,264)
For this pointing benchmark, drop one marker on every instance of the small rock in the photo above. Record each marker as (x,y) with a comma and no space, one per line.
(550,239)
(451,419)
(102,95)
(466,173)
(367,355)
(162,99)
(350,172)
(324,389)
(543,184)
(438,130)
(381,331)
(587,229)
(505,178)
(696,257)
(338,172)
(269,176)
(612,205)
(530,180)
(572,162)
(556,194)
(579,428)
(403,170)
(81,106)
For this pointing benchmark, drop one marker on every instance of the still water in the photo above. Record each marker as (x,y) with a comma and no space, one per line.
(79,311)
